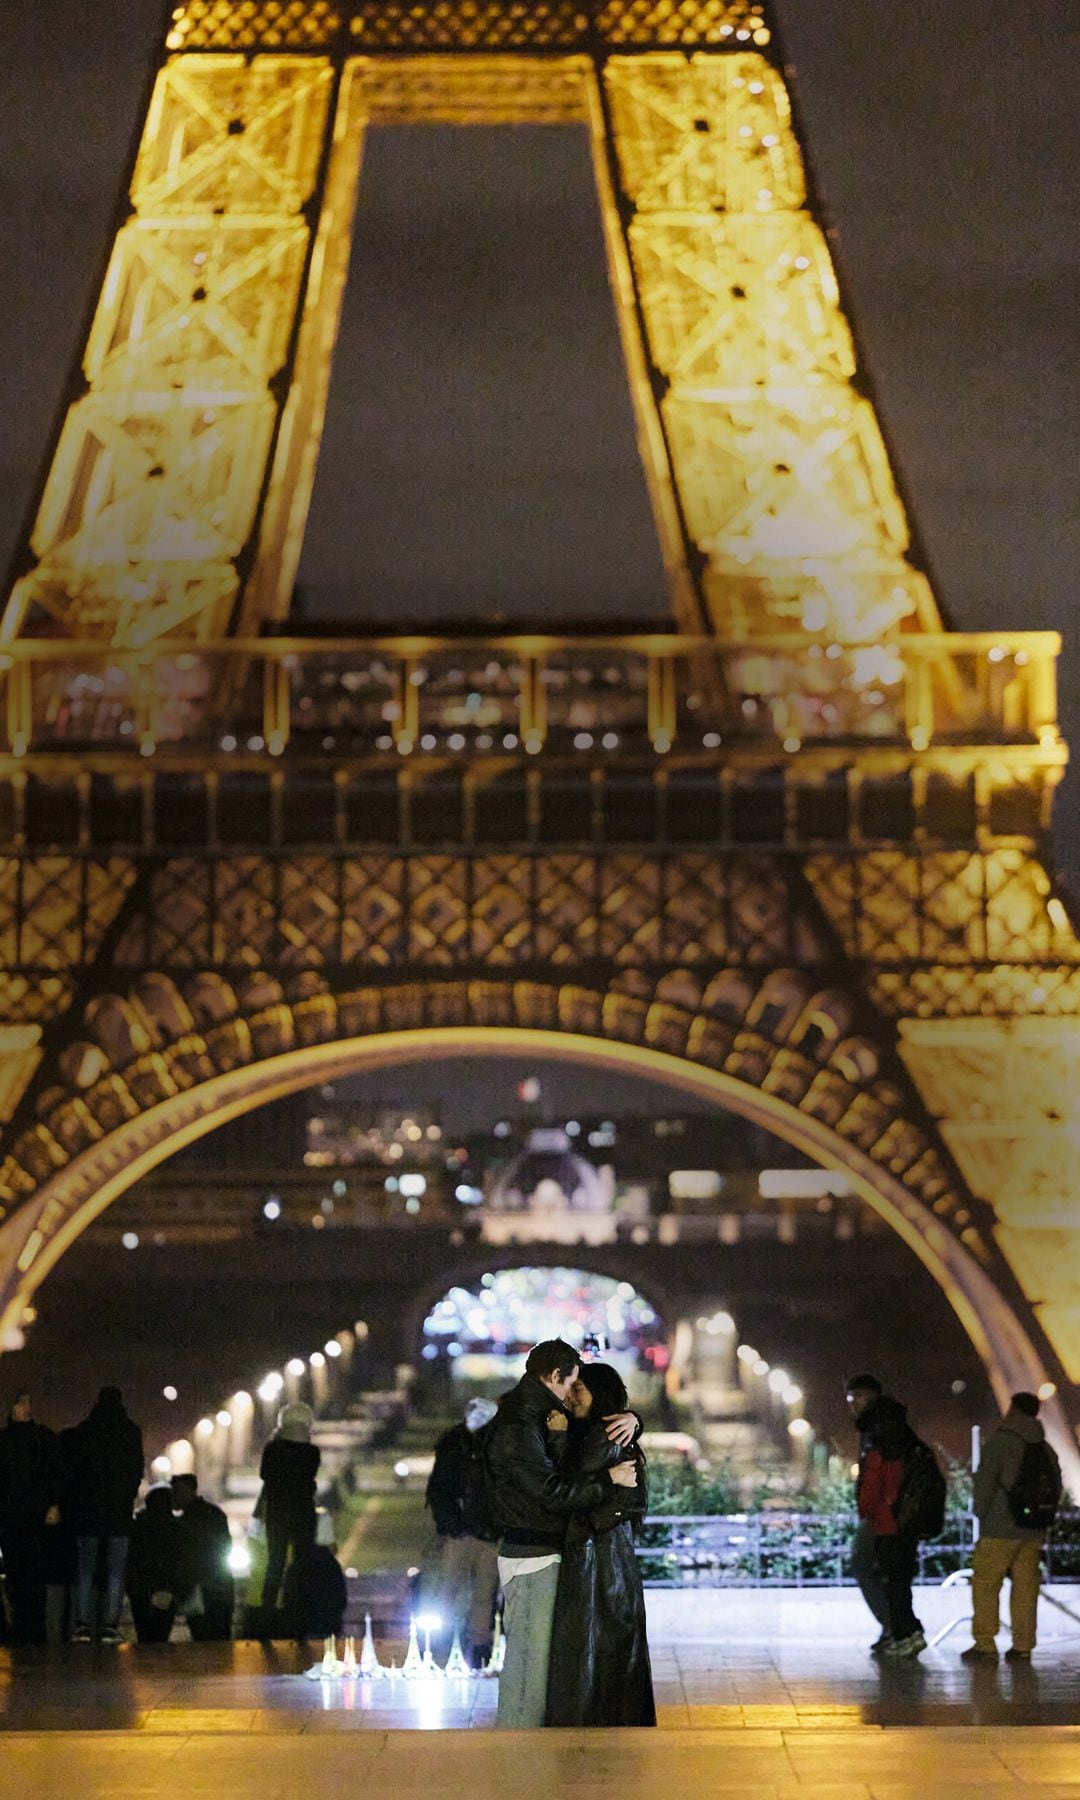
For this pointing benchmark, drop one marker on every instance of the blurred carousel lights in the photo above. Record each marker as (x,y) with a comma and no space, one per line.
(513,1308)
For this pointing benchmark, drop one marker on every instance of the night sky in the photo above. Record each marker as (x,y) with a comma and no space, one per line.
(479,456)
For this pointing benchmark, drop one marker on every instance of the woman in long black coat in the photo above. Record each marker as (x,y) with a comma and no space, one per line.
(286,1505)
(600,1672)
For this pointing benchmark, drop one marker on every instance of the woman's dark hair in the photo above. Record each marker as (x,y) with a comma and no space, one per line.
(606,1386)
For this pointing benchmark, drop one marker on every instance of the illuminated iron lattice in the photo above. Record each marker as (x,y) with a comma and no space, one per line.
(911,992)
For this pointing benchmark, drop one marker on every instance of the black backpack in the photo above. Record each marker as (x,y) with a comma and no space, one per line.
(1035,1495)
(478,1498)
(920,1504)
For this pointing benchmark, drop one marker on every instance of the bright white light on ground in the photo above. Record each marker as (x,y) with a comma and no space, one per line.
(401,1469)
(270,1386)
(792,1395)
(317,1360)
(761,1367)
(272,1208)
(224,1419)
(295,1366)
(746,1354)
(204,1428)
(239,1560)
(169,1392)
(130,1240)
(240,1400)
(161,1465)
(413,1185)
(1047,1390)
(779,1380)
(800,1428)
(332,1347)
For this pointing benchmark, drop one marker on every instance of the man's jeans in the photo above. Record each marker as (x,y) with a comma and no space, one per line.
(528,1611)
(864,1569)
(86,1597)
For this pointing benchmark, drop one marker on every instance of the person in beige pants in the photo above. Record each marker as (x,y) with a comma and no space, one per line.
(1004,1547)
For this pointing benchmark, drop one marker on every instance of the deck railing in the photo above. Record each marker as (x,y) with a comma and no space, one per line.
(417,696)
(782,1549)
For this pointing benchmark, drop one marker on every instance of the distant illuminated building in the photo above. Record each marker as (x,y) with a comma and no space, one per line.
(549,1176)
(336,1139)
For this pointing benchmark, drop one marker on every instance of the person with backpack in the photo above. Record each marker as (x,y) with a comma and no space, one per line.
(459,1501)
(901,1493)
(864,1396)
(1017,1493)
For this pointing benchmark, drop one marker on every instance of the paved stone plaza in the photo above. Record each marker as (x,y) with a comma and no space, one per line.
(805,1713)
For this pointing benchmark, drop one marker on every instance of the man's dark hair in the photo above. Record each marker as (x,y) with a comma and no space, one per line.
(552,1357)
(1027,1403)
(190,1482)
(864,1384)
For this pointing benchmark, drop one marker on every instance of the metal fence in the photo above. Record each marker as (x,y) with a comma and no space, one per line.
(781,1549)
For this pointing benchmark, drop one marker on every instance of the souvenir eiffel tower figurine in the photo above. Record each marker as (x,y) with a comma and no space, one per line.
(498,1650)
(413,1666)
(370,1666)
(455,1662)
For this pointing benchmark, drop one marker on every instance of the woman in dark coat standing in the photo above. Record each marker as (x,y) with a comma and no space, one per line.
(600,1672)
(286,1506)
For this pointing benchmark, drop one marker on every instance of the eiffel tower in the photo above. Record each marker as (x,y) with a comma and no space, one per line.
(790,855)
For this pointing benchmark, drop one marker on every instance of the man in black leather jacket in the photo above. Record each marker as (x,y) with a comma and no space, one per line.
(533,1501)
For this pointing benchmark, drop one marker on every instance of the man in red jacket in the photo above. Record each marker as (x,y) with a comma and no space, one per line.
(896,1552)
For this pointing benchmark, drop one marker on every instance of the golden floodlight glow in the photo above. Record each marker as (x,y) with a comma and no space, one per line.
(889,979)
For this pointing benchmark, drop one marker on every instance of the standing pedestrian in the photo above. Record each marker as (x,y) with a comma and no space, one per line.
(864,1395)
(534,1500)
(286,1505)
(105,1460)
(902,1494)
(458,1497)
(207,1591)
(31,1474)
(1017,1493)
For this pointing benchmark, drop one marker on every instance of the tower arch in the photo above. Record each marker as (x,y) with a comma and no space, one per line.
(170,1072)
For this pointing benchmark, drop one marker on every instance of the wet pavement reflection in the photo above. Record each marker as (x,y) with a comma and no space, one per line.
(801,1685)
